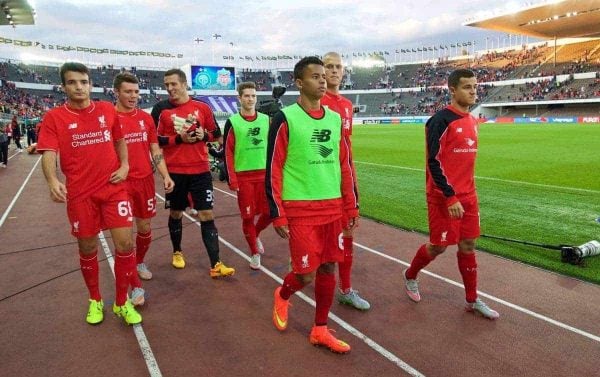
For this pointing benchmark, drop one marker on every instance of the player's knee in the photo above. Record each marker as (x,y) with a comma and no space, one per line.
(306,279)
(143,226)
(435,250)
(466,246)
(326,268)
(176,214)
(87,245)
(206,215)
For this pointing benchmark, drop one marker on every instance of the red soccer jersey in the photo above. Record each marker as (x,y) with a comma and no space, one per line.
(342,106)
(84,140)
(313,212)
(187,158)
(451,138)
(139,131)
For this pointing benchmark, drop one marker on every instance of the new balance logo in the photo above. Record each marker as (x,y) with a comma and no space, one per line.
(322,150)
(253,131)
(72,126)
(321,136)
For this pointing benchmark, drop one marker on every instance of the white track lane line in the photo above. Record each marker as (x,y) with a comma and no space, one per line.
(483,294)
(12,203)
(489,178)
(345,325)
(151,363)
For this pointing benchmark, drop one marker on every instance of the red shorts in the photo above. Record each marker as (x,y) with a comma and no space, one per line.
(444,231)
(107,208)
(142,196)
(252,199)
(313,245)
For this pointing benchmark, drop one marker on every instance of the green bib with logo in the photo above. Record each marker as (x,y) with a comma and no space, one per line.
(250,142)
(312,168)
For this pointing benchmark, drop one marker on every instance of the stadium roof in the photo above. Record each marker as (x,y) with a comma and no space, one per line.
(558,19)
(16,12)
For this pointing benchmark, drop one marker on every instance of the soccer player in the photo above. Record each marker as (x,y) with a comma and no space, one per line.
(139,132)
(87,137)
(184,128)
(246,158)
(309,184)
(334,73)
(453,210)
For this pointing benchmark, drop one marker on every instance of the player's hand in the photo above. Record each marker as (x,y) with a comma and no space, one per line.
(119,175)
(352,223)
(199,133)
(456,211)
(282,231)
(188,138)
(169,184)
(58,192)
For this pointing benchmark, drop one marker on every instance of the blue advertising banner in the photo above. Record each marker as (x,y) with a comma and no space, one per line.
(212,78)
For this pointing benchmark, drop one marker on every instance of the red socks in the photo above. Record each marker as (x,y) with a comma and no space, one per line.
(89,270)
(262,223)
(250,234)
(467,265)
(290,286)
(124,269)
(324,290)
(142,244)
(345,267)
(421,259)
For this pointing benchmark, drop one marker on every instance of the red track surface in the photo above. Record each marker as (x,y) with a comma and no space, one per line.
(199,326)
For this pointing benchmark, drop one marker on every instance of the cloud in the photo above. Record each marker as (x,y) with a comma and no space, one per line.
(268,27)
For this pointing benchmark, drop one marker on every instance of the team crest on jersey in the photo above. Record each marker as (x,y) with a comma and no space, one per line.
(142,125)
(444,234)
(72,126)
(102,121)
(305,263)
(76,227)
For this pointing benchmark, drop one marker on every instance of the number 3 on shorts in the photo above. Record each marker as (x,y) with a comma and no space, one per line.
(124,209)
(209,196)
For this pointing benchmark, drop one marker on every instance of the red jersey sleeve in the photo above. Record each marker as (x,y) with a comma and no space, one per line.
(117,132)
(229,141)
(47,138)
(349,185)
(152,135)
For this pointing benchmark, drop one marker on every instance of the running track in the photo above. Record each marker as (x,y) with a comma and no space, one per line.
(195,326)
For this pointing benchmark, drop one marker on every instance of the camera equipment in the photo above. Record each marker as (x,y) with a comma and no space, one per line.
(568,254)
(272,106)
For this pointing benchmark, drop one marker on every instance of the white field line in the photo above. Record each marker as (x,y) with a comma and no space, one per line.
(12,203)
(147,353)
(483,294)
(489,178)
(352,330)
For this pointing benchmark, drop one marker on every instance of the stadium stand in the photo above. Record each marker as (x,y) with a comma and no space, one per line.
(515,75)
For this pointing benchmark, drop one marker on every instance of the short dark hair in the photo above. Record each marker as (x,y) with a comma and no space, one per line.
(72,67)
(303,63)
(458,74)
(245,85)
(124,77)
(178,72)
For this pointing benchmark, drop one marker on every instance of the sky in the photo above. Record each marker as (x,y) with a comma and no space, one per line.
(249,28)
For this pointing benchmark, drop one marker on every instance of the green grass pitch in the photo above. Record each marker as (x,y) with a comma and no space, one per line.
(536,182)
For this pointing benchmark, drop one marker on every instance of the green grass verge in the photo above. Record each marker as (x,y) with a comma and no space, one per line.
(537,183)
